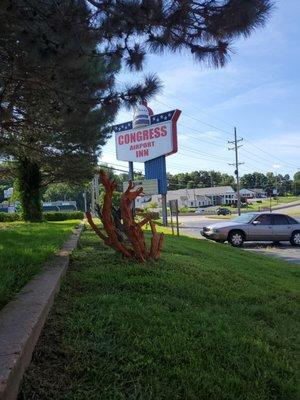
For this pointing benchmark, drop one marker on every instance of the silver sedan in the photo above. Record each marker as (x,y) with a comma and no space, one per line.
(255,227)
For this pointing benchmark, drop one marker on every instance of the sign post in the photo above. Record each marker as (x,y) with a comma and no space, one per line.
(174,210)
(149,138)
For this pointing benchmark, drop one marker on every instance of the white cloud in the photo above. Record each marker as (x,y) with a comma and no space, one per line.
(262,94)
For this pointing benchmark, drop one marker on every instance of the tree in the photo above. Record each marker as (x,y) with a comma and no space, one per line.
(57,94)
(58,66)
(66,191)
(256,180)
(297,183)
(204,28)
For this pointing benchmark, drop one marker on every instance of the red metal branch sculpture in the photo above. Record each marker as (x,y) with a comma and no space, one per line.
(135,247)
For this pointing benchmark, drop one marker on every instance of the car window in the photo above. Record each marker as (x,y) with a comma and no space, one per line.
(244,218)
(291,220)
(264,219)
(280,220)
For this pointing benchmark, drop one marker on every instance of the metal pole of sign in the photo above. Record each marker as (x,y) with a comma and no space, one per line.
(171,215)
(131,178)
(131,173)
(164,209)
(177,223)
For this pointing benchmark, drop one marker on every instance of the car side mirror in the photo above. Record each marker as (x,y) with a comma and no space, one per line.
(256,222)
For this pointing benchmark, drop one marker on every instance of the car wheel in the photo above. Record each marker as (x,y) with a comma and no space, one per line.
(295,238)
(236,238)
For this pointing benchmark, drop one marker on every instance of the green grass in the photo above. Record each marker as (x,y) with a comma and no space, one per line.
(24,247)
(266,203)
(205,322)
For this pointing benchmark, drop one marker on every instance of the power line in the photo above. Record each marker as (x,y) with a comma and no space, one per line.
(271,155)
(202,152)
(203,112)
(196,119)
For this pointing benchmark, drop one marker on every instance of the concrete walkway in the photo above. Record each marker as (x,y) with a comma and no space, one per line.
(22,319)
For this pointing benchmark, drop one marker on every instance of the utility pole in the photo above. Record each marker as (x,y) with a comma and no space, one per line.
(237,164)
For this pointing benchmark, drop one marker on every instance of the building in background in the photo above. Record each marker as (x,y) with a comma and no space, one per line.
(247,194)
(200,197)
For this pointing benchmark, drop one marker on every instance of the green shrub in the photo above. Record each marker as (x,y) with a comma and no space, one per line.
(154,215)
(63,216)
(9,217)
(186,210)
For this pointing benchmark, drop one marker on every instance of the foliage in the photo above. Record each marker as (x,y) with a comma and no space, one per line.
(9,217)
(267,181)
(186,210)
(153,204)
(116,197)
(205,29)
(55,91)
(206,321)
(58,93)
(296,185)
(199,179)
(24,249)
(66,191)
(255,180)
(63,216)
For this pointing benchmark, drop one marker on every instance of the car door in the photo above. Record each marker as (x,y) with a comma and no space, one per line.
(282,228)
(261,229)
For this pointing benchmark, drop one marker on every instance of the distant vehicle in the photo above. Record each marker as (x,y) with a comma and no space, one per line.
(200,211)
(223,211)
(255,227)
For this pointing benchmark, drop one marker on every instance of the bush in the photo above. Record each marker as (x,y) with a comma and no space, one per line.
(63,216)
(154,215)
(9,217)
(186,210)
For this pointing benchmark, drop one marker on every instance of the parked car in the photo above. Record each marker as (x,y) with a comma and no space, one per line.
(223,211)
(200,211)
(255,227)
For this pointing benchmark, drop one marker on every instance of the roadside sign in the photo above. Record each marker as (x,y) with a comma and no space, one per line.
(150,186)
(157,137)
(173,204)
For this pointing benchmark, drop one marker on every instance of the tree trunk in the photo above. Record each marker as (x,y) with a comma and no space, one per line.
(29,176)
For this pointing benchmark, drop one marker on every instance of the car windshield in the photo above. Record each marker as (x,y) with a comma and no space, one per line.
(245,218)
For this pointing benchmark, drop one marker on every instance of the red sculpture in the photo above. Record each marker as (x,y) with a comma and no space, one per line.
(125,234)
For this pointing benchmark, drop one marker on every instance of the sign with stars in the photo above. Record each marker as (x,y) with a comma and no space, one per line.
(148,142)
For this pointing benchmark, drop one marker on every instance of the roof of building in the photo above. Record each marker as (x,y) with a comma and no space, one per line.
(258,190)
(209,191)
(247,190)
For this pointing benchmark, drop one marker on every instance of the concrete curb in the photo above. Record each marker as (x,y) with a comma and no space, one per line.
(22,320)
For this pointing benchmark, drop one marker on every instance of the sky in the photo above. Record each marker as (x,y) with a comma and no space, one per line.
(258,92)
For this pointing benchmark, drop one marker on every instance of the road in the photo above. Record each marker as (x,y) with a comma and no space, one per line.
(191,226)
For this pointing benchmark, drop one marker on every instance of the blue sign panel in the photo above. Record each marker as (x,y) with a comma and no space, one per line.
(156,169)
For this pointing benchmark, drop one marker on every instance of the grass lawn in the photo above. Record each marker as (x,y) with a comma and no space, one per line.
(266,202)
(24,247)
(205,322)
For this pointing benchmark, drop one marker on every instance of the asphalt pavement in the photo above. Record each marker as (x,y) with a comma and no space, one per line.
(192,224)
